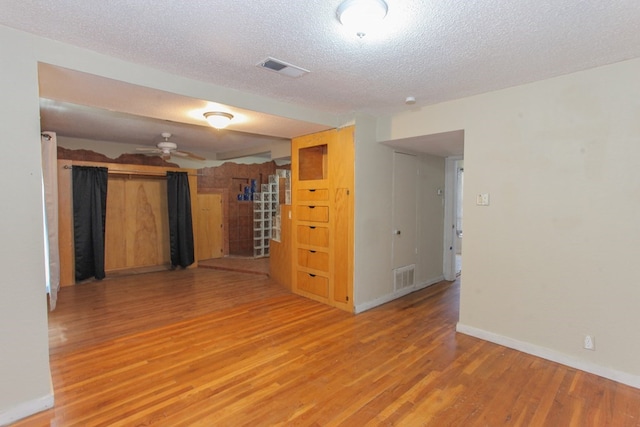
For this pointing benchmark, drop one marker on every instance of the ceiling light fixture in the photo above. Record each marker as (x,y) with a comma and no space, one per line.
(218,119)
(361,15)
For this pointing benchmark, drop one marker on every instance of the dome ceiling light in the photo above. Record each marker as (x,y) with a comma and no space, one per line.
(361,15)
(218,119)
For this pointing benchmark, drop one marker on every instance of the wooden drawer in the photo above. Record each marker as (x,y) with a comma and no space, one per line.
(313,259)
(313,283)
(312,235)
(312,195)
(312,213)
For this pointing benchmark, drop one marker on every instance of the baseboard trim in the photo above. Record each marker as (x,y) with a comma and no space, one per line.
(395,295)
(26,409)
(554,356)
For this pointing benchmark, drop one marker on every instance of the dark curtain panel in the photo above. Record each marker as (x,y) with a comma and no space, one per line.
(89,214)
(180,224)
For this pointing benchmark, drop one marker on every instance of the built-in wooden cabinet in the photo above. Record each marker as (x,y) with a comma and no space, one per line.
(322,213)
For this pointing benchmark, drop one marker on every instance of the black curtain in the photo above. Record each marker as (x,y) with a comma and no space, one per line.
(89,214)
(180,224)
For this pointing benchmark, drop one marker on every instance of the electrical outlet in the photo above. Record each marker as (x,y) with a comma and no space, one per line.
(589,342)
(482,199)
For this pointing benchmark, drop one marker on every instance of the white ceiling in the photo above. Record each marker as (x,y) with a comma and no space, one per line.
(434,50)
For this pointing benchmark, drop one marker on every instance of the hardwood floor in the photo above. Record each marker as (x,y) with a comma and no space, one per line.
(208,347)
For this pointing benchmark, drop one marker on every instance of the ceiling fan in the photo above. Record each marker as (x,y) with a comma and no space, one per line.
(166,149)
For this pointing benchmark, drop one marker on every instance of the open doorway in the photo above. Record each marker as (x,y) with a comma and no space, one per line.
(459,164)
(453,214)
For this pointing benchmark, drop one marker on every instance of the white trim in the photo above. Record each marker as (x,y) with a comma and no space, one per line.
(552,355)
(26,409)
(395,295)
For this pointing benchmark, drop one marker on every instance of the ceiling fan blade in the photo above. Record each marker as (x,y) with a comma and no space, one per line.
(188,154)
(148,150)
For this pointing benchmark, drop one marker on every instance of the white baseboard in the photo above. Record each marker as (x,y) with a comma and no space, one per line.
(395,295)
(552,355)
(26,409)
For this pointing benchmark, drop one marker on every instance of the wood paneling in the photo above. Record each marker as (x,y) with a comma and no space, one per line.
(136,226)
(210,226)
(137,206)
(341,246)
(281,252)
(115,239)
(202,347)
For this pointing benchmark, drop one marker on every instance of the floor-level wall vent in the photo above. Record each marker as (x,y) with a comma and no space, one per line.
(403,276)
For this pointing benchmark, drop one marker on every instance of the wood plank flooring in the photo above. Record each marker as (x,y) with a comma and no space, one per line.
(206,347)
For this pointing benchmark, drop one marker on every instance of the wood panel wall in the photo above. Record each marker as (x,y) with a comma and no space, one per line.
(136,229)
(230,179)
(280,253)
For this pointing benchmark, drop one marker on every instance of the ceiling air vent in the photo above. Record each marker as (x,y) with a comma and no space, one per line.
(282,67)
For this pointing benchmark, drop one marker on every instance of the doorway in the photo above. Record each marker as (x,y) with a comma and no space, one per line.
(210,227)
(458,213)
(453,214)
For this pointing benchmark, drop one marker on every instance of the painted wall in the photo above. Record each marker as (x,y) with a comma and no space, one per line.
(25,384)
(430,219)
(554,255)
(373,283)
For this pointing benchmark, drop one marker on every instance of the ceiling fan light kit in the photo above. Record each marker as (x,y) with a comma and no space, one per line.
(218,119)
(361,15)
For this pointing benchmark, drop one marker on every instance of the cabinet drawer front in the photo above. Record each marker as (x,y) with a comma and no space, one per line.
(313,235)
(314,284)
(313,213)
(312,195)
(313,259)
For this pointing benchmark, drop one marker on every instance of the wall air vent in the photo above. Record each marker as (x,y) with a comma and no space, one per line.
(281,67)
(403,277)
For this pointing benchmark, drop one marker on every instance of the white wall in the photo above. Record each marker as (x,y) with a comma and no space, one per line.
(373,282)
(430,219)
(25,384)
(555,254)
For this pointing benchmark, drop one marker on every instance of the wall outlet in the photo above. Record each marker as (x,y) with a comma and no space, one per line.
(589,342)
(482,199)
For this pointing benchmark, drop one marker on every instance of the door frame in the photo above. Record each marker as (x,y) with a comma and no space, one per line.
(450,187)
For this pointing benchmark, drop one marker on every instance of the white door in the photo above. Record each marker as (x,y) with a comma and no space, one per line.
(404,209)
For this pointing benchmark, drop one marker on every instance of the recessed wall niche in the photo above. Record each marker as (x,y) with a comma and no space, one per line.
(312,163)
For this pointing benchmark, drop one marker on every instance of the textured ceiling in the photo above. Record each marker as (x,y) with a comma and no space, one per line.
(434,50)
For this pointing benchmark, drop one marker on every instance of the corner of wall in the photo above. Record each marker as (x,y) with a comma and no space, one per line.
(26,409)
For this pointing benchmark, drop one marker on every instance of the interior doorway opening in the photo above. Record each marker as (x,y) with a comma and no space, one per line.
(459,165)
(453,214)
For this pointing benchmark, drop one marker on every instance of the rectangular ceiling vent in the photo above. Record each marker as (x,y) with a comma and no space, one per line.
(281,67)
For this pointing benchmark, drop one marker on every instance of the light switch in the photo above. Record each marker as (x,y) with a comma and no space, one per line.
(482,199)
